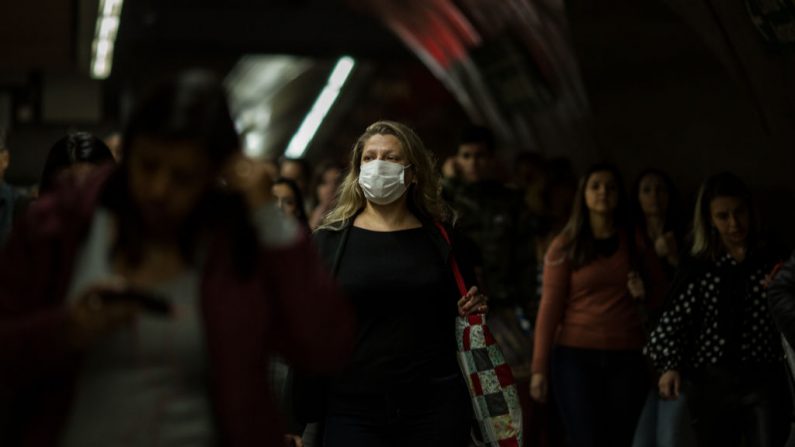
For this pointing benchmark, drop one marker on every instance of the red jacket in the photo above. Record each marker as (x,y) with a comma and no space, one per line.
(291,306)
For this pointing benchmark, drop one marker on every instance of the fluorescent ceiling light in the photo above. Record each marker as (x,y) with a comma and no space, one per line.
(108,27)
(109,8)
(309,127)
(105,33)
(256,79)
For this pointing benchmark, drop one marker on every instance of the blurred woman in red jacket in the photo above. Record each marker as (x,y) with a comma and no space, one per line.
(141,309)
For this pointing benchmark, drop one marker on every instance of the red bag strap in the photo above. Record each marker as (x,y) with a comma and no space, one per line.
(459,278)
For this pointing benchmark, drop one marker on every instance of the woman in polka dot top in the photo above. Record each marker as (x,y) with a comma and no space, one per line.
(716,335)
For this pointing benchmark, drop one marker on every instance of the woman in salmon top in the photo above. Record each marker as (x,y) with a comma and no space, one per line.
(589,330)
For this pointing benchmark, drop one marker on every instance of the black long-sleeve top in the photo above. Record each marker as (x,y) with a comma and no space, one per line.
(402,288)
(717,313)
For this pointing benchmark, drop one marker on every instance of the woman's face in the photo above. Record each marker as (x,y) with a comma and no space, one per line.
(167,180)
(285,199)
(328,185)
(601,192)
(730,217)
(387,148)
(653,195)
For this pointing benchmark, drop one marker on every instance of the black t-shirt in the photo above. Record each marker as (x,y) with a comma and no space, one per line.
(607,247)
(405,300)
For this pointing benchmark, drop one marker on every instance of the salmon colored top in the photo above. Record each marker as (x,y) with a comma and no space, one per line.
(591,307)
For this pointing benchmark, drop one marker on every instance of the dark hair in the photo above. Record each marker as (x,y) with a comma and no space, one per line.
(299,198)
(306,168)
(672,221)
(189,107)
(474,134)
(706,241)
(321,172)
(580,243)
(77,147)
(529,158)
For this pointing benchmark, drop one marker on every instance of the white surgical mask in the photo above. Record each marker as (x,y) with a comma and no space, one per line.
(382,181)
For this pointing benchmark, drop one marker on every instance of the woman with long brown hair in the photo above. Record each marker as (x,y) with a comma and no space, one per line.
(589,329)
(140,308)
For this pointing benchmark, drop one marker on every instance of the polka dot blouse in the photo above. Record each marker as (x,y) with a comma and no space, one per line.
(720,315)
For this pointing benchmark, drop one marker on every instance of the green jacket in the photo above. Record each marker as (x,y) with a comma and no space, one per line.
(499,223)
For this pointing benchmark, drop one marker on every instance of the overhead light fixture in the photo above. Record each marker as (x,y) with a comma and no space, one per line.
(254,144)
(108,18)
(309,127)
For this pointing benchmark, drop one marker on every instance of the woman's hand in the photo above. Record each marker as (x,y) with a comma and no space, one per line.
(669,385)
(473,302)
(538,387)
(92,317)
(251,178)
(665,246)
(635,286)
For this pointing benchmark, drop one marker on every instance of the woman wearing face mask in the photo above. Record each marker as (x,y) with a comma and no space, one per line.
(589,331)
(716,333)
(403,386)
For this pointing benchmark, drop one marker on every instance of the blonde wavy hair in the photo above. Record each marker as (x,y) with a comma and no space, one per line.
(424,196)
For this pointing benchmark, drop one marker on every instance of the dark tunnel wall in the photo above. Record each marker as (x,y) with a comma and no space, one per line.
(667,93)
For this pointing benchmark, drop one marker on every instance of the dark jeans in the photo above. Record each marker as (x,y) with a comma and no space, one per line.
(728,405)
(600,394)
(434,416)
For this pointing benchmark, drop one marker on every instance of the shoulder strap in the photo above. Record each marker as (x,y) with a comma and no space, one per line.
(459,278)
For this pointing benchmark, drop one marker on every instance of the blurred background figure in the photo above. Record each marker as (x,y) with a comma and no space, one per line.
(657,215)
(657,211)
(141,307)
(529,170)
(327,181)
(449,168)
(114,143)
(496,219)
(716,339)
(589,330)
(9,197)
(289,199)
(13,201)
(75,156)
(298,170)
(271,167)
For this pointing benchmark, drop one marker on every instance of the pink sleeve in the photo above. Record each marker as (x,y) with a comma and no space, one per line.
(32,329)
(554,295)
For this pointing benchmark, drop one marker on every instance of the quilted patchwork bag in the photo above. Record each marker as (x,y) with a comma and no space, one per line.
(495,398)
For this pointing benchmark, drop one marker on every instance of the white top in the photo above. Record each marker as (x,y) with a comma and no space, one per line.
(147,384)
